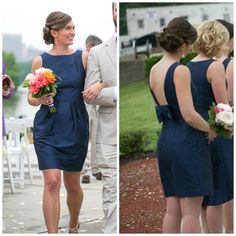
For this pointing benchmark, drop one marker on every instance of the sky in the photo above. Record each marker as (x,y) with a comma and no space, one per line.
(28,18)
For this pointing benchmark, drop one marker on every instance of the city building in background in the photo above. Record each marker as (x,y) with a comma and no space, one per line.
(13,43)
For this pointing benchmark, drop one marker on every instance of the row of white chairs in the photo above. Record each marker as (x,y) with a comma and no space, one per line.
(17,150)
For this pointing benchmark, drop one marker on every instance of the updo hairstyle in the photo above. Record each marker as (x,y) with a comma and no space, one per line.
(177,32)
(212,38)
(55,21)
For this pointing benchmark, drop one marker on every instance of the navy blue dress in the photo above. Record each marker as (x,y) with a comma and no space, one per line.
(61,138)
(221,148)
(182,151)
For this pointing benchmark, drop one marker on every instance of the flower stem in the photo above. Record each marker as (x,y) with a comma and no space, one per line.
(52,108)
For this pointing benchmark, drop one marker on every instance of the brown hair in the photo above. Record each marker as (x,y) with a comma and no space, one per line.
(229,26)
(55,21)
(212,37)
(177,32)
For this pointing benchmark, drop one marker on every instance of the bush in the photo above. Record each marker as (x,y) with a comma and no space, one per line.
(188,58)
(133,142)
(149,62)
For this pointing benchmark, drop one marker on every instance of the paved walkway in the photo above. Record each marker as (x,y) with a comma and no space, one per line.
(22,211)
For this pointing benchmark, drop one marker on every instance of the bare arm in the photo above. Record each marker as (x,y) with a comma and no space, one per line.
(230,81)
(85,59)
(182,81)
(216,77)
(45,99)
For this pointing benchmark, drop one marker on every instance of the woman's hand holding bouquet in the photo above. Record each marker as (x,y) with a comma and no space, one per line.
(42,84)
(221,119)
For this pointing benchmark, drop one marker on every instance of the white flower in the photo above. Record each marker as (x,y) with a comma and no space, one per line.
(29,77)
(224,107)
(41,70)
(225,118)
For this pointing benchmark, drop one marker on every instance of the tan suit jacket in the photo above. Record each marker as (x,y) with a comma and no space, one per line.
(102,67)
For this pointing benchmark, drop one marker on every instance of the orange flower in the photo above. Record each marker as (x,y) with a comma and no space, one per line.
(43,81)
(51,78)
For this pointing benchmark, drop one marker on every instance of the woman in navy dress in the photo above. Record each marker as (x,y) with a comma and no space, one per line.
(183,152)
(208,76)
(228,63)
(61,138)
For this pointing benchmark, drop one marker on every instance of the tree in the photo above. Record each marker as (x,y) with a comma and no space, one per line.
(13,68)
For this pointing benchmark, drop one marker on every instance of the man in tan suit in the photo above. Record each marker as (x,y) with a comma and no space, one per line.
(91,159)
(100,89)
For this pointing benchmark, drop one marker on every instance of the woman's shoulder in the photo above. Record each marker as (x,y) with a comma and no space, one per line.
(37,62)
(181,69)
(38,58)
(215,65)
(78,51)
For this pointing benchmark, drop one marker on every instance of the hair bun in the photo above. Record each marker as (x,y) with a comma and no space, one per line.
(177,32)
(169,42)
(46,29)
(47,35)
(165,30)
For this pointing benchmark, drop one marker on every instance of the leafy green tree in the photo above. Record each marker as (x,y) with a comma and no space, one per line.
(25,68)
(13,68)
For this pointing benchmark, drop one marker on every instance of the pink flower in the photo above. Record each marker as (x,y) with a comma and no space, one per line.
(218,109)
(41,81)
(34,89)
(221,119)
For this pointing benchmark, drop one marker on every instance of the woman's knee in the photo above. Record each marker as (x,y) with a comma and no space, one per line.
(52,184)
(191,206)
(173,207)
(73,186)
(72,182)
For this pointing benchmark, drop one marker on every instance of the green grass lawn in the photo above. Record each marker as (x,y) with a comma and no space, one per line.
(137,111)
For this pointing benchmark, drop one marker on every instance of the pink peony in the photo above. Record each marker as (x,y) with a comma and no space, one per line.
(41,81)
(34,89)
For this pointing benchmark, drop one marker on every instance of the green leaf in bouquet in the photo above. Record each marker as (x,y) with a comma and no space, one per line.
(45,90)
(25,83)
(224,133)
(37,95)
(54,90)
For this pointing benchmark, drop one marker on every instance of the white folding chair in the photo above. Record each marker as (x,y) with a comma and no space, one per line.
(5,157)
(27,145)
(13,153)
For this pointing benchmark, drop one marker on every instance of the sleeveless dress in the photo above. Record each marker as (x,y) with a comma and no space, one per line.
(182,151)
(61,138)
(221,149)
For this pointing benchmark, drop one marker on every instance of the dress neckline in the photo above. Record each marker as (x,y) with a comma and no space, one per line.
(61,55)
(204,60)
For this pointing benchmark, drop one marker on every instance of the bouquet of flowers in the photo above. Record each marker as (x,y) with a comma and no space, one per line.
(221,119)
(43,81)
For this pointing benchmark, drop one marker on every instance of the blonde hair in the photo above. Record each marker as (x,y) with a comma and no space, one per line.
(212,38)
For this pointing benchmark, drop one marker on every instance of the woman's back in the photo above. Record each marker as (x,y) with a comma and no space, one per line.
(182,149)
(163,89)
(221,149)
(205,95)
